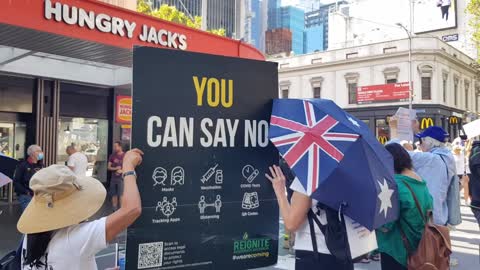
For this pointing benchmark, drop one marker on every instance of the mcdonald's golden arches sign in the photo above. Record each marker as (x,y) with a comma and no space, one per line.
(453,120)
(383,139)
(426,123)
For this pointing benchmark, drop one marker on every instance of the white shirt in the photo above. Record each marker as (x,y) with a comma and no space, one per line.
(79,162)
(74,247)
(460,163)
(303,240)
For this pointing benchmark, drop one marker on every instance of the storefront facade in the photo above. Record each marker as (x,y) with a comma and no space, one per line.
(63,66)
(371,82)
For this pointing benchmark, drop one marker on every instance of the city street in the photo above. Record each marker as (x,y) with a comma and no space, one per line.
(465,242)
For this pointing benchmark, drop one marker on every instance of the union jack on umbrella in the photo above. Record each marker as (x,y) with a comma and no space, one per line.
(336,158)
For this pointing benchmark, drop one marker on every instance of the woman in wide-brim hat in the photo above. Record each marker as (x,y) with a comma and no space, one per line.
(56,235)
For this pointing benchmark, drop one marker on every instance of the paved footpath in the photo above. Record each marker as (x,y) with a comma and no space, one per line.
(465,242)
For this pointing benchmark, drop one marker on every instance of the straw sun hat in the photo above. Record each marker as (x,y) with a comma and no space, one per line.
(61,199)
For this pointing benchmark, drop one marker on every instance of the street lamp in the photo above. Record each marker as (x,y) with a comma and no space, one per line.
(410,92)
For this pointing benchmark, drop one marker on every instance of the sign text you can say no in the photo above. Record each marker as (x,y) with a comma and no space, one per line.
(180,131)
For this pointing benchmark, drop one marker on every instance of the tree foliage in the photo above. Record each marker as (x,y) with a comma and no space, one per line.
(474,9)
(172,14)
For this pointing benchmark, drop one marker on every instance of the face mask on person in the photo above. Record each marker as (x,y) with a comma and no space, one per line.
(40,156)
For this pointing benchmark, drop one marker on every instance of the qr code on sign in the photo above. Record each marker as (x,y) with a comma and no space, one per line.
(150,255)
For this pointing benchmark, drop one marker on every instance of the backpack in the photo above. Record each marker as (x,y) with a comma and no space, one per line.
(434,249)
(334,231)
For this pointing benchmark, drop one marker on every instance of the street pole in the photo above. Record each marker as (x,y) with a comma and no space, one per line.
(410,92)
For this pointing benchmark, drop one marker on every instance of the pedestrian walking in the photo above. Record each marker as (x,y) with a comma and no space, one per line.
(56,235)
(436,165)
(461,164)
(474,163)
(115,166)
(77,161)
(294,215)
(410,223)
(24,172)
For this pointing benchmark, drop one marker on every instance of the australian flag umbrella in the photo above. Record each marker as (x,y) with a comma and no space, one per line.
(336,158)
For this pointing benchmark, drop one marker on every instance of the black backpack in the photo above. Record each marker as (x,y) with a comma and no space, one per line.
(334,231)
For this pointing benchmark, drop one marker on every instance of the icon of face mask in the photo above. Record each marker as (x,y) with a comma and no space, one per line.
(159,176)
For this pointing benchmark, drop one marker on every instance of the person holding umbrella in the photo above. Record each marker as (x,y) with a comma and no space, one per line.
(294,216)
(409,224)
(343,176)
(24,172)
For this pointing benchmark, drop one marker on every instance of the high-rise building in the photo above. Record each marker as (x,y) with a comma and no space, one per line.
(319,17)
(128,4)
(220,13)
(313,39)
(273,7)
(293,18)
(257,14)
(278,41)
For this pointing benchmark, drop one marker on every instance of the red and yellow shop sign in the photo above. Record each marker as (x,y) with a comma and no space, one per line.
(123,110)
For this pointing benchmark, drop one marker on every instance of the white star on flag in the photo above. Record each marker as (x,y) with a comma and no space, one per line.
(355,123)
(385,197)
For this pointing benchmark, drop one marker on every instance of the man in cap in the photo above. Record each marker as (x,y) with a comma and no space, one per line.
(436,165)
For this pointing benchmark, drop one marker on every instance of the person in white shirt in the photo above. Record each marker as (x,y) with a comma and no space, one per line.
(77,162)
(294,216)
(57,237)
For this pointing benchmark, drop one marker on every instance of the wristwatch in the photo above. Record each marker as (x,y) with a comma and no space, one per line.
(125,174)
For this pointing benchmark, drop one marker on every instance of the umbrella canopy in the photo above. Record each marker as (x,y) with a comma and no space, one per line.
(336,158)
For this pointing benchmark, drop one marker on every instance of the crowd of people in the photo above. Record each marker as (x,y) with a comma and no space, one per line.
(424,175)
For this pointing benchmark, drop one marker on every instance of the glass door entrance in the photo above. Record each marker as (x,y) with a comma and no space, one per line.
(12,144)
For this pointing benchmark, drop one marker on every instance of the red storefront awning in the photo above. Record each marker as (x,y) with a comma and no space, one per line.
(92,30)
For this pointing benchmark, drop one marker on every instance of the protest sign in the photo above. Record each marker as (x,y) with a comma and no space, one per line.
(202,121)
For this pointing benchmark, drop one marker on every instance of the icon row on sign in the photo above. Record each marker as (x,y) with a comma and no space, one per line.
(210,173)
(167,207)
(160,177)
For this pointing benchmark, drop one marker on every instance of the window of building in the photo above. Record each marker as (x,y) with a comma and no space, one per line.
(316,83)
(284,89)
(351,79)
(391,74)
(467,95)
(352,93)
(455,92)
(426,88)
(426,73)
(444,86)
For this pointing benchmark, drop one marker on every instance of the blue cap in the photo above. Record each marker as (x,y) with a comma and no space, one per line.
(434,132)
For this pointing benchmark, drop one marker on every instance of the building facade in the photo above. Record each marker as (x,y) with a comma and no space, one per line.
(273,12)
(313,39)
(278,41)
(319,17)
(293,18)
(446,86)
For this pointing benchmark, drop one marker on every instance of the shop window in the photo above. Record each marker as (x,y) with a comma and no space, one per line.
(382,130)
(316,83)
(426,88)
(16,94)
(88,136)
(352,84)
(285,93)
